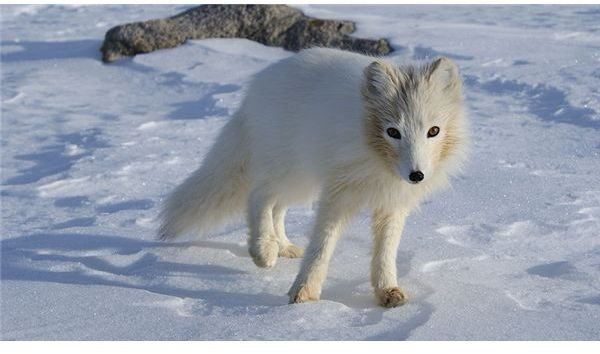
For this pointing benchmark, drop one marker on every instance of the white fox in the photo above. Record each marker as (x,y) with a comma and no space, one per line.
(349,130)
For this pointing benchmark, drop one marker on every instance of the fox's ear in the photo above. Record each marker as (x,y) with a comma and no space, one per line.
(381,79)
(444,73)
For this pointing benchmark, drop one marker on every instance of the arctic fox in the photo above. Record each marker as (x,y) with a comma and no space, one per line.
(349,130)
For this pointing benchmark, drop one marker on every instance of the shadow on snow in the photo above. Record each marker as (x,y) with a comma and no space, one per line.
(25,259)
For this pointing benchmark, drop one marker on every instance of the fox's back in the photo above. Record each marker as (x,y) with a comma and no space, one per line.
(307,109)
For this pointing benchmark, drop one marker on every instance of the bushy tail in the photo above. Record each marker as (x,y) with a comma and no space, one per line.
(215,192)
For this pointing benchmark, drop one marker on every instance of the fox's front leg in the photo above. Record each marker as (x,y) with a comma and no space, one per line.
(335,210)
(387,229)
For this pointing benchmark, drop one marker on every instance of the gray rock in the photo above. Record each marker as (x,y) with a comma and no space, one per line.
(272,25)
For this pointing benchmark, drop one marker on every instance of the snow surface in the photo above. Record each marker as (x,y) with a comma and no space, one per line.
(90,150)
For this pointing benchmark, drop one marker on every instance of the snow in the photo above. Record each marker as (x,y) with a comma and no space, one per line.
(90,150)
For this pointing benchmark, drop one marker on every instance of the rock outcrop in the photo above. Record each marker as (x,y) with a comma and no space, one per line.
(272,25)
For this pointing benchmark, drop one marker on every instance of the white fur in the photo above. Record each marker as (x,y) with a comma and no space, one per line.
(300,136)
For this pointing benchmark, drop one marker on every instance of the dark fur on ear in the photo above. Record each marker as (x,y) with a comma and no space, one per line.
(381,79)
(444,73)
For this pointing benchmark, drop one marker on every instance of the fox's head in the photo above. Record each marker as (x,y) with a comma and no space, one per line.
(414,118)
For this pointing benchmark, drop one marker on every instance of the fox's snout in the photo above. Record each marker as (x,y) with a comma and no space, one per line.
(415,164)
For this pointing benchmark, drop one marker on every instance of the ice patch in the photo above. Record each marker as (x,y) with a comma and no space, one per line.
(73,150)
(14,99)
(519,302)
(434,265)
(148,223)
(182,307)
(519,228)
(63,188)
(149,125)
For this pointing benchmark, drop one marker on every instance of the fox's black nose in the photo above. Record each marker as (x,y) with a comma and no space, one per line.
(416,176)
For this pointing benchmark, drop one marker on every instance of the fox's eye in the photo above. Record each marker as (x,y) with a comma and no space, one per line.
(394,133)
(433,131)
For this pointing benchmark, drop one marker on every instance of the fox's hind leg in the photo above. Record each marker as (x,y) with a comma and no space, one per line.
(286,248)
(262,244)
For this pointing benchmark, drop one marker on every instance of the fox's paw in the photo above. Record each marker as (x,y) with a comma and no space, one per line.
(390,297)
(291,251)
(302,293)
(264,254)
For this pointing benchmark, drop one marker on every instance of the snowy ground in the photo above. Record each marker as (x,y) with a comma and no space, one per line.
(90,150)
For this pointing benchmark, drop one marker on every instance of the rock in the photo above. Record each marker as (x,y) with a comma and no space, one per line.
(272,25)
